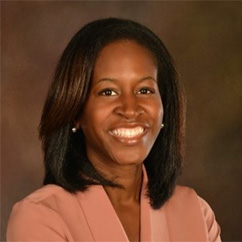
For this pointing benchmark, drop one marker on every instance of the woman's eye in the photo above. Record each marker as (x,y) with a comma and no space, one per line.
(107,92)
(146,91)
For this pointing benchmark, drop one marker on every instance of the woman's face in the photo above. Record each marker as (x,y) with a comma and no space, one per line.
(123,114)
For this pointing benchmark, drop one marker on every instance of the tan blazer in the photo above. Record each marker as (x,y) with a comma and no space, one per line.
(53,214)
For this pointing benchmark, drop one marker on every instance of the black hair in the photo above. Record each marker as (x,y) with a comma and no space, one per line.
(65,158)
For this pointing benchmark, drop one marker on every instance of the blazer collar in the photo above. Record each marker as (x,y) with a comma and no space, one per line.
(105,225)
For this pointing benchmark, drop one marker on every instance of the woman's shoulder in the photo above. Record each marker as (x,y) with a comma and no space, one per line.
(36,212)
(186,203)
(47,199)
(184,191)
(186,197)
(46,196)
(45,193)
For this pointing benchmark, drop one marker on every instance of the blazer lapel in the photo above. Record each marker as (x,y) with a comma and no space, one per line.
(145,211)
(101,216)
(153,222)
(160,229)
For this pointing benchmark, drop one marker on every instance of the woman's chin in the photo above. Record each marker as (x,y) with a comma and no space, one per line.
(130,161)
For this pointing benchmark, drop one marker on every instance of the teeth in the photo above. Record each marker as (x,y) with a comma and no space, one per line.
(122,132)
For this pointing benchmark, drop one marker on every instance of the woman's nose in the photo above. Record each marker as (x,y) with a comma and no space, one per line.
(129,107)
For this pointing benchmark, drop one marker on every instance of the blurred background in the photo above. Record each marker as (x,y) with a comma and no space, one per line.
(204,38)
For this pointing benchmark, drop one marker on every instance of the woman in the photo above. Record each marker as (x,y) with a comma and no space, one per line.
(112,131)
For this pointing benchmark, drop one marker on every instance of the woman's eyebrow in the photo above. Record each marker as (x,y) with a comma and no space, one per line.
(115,80)
(148,78)
(106,79)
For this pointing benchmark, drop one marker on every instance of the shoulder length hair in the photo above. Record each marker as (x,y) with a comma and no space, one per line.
(65,159)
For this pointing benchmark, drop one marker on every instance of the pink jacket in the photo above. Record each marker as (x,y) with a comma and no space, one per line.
(53,214)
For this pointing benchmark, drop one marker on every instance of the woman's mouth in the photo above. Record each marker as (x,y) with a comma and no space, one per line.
(128,133)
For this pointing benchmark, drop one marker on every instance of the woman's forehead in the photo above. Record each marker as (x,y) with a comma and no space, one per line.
(124,60)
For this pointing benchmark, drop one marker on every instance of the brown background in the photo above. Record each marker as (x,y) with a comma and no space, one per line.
(205,39)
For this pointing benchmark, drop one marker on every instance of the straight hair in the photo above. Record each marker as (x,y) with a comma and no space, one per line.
(65,159)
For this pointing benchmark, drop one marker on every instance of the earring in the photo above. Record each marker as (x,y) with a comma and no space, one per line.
(162,126)
(74,130)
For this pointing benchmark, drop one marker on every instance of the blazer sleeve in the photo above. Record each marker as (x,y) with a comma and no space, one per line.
(212,226)
(34,222)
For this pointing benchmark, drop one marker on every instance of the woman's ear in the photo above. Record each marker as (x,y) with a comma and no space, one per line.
(78,125)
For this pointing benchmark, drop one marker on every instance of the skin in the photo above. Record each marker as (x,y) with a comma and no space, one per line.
(124,95)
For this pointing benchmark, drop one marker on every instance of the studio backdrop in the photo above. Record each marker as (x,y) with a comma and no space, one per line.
(204,39)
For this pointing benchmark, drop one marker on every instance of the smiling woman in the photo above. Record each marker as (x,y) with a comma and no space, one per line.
(123,114)
(112,131)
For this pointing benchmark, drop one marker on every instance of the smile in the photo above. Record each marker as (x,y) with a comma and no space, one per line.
(128,132)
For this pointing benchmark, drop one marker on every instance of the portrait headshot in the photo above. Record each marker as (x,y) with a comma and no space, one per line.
(121,121)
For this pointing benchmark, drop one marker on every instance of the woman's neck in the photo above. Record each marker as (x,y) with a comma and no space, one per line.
(130,178)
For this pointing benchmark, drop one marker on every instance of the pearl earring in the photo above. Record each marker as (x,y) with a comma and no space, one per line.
(162,126)
(74,130)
